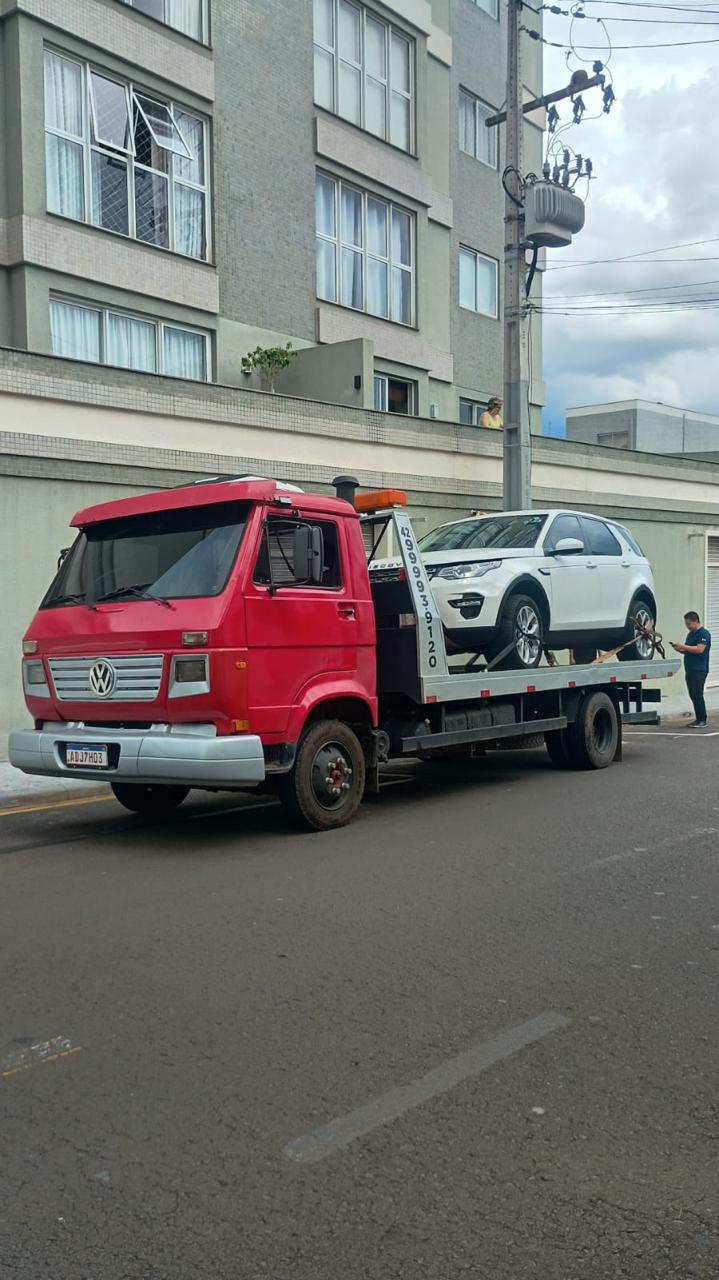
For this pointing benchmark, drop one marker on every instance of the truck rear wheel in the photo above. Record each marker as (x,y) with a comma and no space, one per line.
(326,785)
(555,741)
(147,799)
(593,738)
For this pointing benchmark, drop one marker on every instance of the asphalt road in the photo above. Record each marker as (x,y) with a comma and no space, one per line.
(473,1034)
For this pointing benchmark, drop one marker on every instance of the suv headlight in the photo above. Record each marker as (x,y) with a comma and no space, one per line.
(457,572)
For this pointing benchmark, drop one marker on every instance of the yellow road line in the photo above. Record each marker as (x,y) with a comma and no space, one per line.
(54,804)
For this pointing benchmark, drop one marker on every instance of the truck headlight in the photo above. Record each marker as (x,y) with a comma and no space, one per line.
(189,676)
(475,569)
(34,681)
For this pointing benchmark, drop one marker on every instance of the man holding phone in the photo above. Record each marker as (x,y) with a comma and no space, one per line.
(696,649)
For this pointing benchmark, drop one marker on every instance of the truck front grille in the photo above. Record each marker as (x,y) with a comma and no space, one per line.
(134,678)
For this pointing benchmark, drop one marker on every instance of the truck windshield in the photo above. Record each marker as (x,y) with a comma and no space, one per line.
(492,531)
(165,554)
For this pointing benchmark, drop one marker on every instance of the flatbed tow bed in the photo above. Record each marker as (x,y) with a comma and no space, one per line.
(579,710)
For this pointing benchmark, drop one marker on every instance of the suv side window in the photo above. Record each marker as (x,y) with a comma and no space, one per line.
(277,550)
(600,539)
(564,527)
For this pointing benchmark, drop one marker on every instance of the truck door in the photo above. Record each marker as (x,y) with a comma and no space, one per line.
(296,631)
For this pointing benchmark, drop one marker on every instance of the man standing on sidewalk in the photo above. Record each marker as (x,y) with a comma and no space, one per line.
(696,649)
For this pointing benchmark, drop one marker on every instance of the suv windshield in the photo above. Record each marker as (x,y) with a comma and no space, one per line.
(175,554)
(491,531)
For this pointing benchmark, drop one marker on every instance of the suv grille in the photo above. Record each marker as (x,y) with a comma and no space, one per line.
(130,679)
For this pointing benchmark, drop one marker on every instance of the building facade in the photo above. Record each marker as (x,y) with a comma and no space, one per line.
(641,424)
(183,180)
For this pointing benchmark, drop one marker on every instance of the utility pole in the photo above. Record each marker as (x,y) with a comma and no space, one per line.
(517,478)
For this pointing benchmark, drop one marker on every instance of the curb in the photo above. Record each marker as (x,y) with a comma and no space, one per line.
(36,796)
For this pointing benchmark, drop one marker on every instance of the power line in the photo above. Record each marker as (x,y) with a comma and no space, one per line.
(628,293)
(669,44)
(643,253)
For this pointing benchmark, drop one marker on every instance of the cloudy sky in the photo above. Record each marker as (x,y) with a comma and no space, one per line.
(655,158)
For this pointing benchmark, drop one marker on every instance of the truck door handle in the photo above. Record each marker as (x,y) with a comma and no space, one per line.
(346,611)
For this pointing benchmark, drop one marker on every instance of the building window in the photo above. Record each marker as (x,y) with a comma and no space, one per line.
(365,251)
(188,16)
(474,136)
(104,336)
(478,282)
(394,395)
(490,6)
(124,160)
(364,70)
(470,411)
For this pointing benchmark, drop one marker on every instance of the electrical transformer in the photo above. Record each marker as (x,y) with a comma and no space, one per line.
(552,215)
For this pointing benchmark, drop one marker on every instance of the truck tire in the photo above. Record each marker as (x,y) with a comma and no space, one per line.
(147,799)
(592,740)
(556,743)
(326,785)
(642,650)
(520,615)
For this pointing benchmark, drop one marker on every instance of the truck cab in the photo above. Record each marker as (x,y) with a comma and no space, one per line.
(190,635)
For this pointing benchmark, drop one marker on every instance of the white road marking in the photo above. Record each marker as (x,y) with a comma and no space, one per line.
(390,1106)
(669,843)
(669,733)
(35,1055)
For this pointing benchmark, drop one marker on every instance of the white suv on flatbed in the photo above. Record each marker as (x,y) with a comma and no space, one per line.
(534,579)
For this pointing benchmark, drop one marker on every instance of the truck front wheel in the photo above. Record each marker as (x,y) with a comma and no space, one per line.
(149,800)
(326,785)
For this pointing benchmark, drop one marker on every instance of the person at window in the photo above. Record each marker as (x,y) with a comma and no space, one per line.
(492,416)
(696,650)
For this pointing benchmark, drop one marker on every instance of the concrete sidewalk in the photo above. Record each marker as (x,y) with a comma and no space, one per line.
(19,789)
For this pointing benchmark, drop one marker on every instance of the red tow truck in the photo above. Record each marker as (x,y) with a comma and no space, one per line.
(228,635)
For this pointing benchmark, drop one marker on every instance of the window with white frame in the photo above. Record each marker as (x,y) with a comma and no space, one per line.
(123,159)
(364,70)
(490,6)
(365,251)
(470,411)
(474,136)
(103,335)
(478,282)
(188,16)
(394,395)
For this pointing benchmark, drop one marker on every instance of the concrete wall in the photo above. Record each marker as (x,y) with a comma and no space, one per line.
(640,425)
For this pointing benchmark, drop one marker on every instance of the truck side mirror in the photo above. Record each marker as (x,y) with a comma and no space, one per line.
(308,553)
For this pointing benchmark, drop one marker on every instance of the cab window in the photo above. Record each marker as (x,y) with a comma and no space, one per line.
(275,558)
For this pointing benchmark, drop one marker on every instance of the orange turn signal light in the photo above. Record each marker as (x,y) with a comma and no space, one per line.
(240,726)
(380,500)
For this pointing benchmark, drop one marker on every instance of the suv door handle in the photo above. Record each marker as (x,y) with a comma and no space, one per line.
(591,564)
(346,611)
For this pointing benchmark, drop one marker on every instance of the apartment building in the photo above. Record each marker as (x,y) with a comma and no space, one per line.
(183,180)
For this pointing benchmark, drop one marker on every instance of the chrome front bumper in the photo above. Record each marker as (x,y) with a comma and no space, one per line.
(190,754)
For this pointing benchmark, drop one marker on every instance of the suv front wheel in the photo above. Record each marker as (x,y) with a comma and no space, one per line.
(521,627)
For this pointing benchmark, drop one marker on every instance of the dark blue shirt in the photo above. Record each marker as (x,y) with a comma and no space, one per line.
(698,661)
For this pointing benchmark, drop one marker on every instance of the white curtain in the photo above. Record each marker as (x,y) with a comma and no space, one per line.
(185,16)
(74,331)
(63,156)
(131,343)
(326,270)
(189,221)
(185,354)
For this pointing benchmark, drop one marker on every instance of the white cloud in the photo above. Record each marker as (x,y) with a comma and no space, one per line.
(657,184)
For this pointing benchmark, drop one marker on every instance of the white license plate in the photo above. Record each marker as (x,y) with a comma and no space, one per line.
(90,756)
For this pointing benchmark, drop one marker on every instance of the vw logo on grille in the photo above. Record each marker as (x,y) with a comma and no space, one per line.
(102,678)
